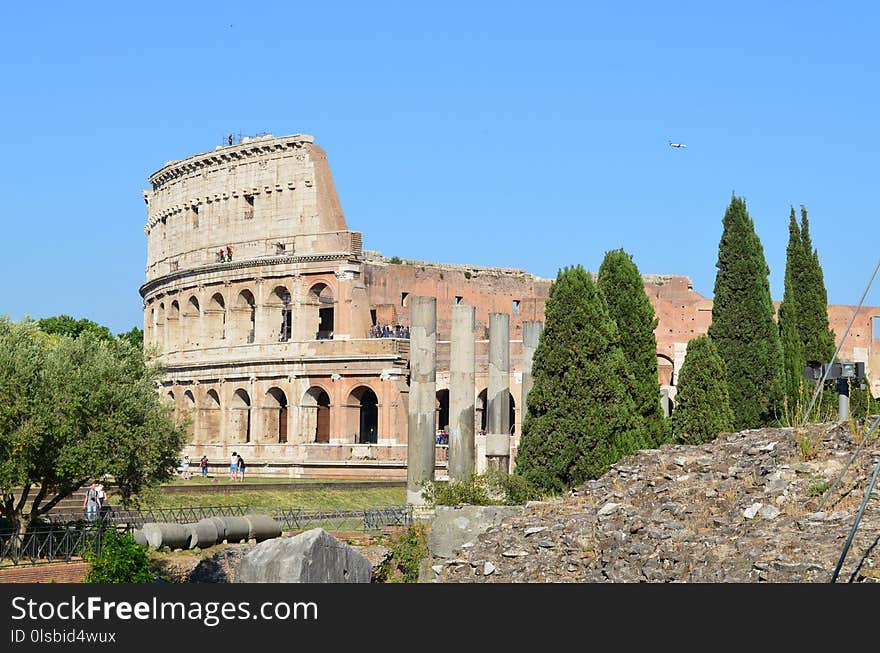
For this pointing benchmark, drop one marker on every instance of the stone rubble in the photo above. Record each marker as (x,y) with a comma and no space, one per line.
(742,509)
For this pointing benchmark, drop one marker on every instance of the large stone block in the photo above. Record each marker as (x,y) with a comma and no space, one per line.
(454,526)
(311,557)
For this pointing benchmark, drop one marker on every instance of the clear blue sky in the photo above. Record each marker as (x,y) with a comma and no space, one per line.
(529,135)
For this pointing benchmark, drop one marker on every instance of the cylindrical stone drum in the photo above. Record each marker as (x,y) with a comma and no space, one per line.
(174,536)
(203,534)
(237,529)
(139,538)
(262,527)
(220,525)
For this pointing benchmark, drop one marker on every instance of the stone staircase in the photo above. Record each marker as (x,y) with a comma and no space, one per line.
(69,505)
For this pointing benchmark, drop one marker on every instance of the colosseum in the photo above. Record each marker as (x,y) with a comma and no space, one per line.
(283,339)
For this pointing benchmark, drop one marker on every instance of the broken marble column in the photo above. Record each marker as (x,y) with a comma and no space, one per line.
(531,335)
(422,395)
(461,392)
(498,393)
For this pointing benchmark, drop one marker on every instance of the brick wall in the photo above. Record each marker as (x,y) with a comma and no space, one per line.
(58,572)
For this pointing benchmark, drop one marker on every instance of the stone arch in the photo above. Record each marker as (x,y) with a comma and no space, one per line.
(315,411)
(210,417)
(512,415)
(240,416)
(276,415)
(366,402)
(480,412)
(665,369)
(441,410)
(279,313)
(189,408)
(243,317)
(215,318)
(189,333)
(161,327)
(320,310)
(173,330)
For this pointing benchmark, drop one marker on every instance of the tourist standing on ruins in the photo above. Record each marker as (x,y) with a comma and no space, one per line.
(203,464)
(240,468)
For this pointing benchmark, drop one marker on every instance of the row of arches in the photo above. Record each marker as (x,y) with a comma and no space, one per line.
(212,422)
(188,322)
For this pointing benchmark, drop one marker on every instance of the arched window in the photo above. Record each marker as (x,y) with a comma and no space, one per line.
(276,414)
(240,421)
(321,303)
(368,414)
(215,318)
(243,314)
(315,410)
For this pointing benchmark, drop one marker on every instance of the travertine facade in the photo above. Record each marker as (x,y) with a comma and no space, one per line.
(271,353)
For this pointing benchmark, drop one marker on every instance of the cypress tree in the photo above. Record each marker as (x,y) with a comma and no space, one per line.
(792,346)
(580,418)
(624,292)
(812,300)
(702,408)
(743,328)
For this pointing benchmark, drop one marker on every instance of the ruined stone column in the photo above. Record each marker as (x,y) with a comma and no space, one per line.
(422,395)
(498,393)
(461,393)
(531,334)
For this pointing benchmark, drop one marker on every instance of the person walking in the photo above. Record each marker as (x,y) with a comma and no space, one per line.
(203,465)
(90,503)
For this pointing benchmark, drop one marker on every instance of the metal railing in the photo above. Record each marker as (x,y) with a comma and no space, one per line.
(137,518)
(68,536)
(55,542)
(344,520)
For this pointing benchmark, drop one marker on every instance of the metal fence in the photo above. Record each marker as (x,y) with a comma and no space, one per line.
(52,543)
(68,536)
(138,518)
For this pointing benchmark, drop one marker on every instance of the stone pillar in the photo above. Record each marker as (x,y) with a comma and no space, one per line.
(461,392)
(531,334)
(261,328)
(498,393)
(422,395)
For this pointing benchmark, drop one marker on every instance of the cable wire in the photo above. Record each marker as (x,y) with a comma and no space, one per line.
(855,526)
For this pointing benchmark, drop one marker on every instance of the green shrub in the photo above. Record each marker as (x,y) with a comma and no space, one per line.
(396,260)
(122,560)
(491,488)
(407,552)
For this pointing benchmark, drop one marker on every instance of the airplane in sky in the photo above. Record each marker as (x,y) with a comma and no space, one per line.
(671,144)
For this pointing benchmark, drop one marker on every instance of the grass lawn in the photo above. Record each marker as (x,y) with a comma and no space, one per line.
(307,499)
(223,479)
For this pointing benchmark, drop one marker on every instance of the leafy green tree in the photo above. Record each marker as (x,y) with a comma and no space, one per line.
(632,311)
(65,325)
(135,337)
(74,409)
(702,408)
(122,560)
(580,417)
(743,328)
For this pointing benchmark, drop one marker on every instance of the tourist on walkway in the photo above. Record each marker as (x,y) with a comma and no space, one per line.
(90,503)
(240,468)
(203,465)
